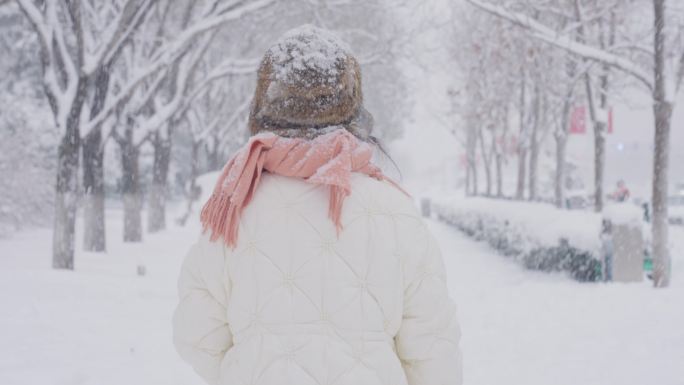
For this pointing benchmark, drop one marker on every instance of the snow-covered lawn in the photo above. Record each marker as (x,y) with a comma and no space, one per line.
(103,324)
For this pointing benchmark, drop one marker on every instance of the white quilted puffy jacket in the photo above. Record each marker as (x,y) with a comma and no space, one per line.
(295,304)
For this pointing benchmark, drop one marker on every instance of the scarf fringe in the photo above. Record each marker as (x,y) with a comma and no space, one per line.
(337,196)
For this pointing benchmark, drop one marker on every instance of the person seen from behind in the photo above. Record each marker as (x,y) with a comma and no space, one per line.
(314,267)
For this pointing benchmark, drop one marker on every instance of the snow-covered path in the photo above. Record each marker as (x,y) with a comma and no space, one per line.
(102,324)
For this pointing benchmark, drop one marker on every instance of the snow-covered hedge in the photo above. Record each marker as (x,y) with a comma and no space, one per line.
(538,235)
(27,164)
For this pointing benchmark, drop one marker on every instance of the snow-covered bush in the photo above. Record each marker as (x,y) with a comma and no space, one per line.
(539,236)
(27,163)
(28,137)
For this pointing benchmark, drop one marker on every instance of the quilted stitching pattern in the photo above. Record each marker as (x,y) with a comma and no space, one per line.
(294,303)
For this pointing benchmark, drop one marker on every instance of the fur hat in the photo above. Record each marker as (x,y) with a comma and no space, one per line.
(308,80)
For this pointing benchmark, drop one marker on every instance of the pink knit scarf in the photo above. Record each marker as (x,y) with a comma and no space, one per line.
(329,159)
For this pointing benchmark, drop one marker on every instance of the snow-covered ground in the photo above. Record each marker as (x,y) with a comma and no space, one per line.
(526,327)
(104,324)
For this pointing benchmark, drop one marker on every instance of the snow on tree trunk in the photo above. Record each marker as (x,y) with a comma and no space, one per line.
(66,194)
(94,199)
(130,188)
(662,110)
(156,215)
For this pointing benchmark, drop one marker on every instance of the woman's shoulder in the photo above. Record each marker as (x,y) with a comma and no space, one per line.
(385,193)
(366,191)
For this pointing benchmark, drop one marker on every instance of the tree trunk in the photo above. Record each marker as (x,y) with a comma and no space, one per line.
(488,179)
(522,150)
(486,159)
(130,187)
(193,192)
(94,235)
(600,129)
(156,215)
(132,219)
(599,163)
(499,175)
(534,163)
(534,143)
(468,178)
(213,155)
(65,202)
(476,188)
(598,122)
(561,135)
(93,184)
(662,113)
(660,230)
(522,166)
(66,187)
(599,144)
(559,180)
(471,163)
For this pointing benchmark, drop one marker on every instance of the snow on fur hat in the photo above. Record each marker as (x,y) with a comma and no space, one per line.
(308,80)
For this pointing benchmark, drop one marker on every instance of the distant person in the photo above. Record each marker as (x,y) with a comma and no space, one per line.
(621,193)
(314,267)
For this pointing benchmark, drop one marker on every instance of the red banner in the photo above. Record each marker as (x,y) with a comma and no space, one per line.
(610,120)
(578,120)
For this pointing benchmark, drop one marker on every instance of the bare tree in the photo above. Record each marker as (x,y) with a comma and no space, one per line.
(68,68)
(562,130)
(78,50)
(597,110)
(663,83)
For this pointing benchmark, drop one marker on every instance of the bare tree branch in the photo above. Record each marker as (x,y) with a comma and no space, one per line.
(550,36)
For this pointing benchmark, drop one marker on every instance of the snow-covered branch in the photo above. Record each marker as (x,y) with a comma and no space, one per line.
(169,53)
(128,19)
(549,35)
